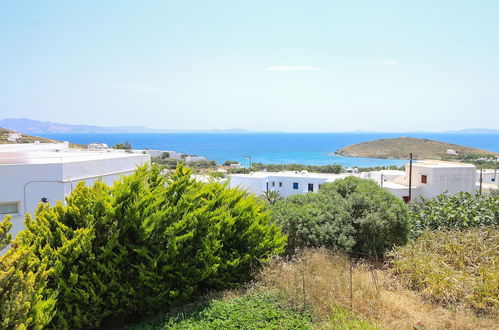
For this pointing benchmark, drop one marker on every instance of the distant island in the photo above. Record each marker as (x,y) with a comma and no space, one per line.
(401,147)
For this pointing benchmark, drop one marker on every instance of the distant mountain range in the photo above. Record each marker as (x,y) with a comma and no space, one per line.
(29,126)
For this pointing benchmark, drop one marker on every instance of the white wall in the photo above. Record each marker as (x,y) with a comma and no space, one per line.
(27,184)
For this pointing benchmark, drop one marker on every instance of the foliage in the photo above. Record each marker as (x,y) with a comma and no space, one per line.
(5,236)
(453,267)
(217,175)
(165,154)
(146,243)
(271,196)
(350,215)
(297,167)
(23,304)
(323,281)
(123,146)
(250,311)
(462,210)
(314,220)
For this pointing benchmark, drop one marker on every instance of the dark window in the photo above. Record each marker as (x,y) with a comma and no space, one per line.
(280,184)
(273,183)
(424,179)
(295,185)
(493,179)
(310,187)
(406,199)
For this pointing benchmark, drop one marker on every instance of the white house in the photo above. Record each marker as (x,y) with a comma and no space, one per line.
(429,179)
(287,183)
(97,146)
(29,177)
(12,137)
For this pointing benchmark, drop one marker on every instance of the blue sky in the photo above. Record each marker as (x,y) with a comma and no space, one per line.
(260,65)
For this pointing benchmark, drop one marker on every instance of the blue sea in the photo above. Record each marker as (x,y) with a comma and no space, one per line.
(277,148)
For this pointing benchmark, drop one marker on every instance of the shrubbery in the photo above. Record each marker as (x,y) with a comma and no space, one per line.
(462,210)
(452,267)
(349,215)
(145,243)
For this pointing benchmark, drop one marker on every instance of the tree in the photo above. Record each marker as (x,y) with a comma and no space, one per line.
(24,303)
(123,146)
(271,196)
(350,215)
(147,242)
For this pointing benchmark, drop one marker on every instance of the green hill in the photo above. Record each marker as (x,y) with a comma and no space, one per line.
(401,147)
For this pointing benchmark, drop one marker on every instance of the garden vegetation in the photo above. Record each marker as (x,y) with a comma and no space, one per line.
(145,243)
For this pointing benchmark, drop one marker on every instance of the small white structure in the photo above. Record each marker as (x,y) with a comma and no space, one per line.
(97,146)
(451,152)
(193,159)
(29,176)
(287,183)
(490,180)
(158,153)
(12,137)
(431,178)
(236,165)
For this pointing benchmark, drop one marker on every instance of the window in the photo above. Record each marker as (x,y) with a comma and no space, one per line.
(273,183)
(406,199)
(280,184)
(310,187)
(493,180)
(424,179)
(9,208)
(295,185)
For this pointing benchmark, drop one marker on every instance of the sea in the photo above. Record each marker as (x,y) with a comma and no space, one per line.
(275,148)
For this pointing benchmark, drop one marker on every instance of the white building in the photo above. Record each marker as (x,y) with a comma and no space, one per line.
(287,183)
(429,179)
(97,146)
(12,137)
(30,176)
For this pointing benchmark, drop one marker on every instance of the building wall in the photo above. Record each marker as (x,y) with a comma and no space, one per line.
(27,184)
(441,179)
(258,185)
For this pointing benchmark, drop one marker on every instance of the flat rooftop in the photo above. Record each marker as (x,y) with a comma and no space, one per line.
(51,157)
(441,164)
(295,174)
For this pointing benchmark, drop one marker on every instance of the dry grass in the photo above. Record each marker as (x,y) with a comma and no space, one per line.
(321,280)
(458,268)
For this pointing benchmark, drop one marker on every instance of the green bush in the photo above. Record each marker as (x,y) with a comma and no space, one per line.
(350,215)
(148,242)
(24,302)
(462,210)
(251,311)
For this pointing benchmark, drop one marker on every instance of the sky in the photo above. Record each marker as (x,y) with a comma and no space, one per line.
(258,65)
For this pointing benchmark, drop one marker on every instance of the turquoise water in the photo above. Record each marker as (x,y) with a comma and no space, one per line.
(278,148)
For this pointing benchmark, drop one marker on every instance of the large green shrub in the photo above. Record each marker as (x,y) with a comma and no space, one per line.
(24,302)
(146,242)
(351,215)
(462,210)
(314,220)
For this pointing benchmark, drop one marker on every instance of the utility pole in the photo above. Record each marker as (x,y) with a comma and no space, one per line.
(250,164)
(481,180)
(410,177)
(381,183)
